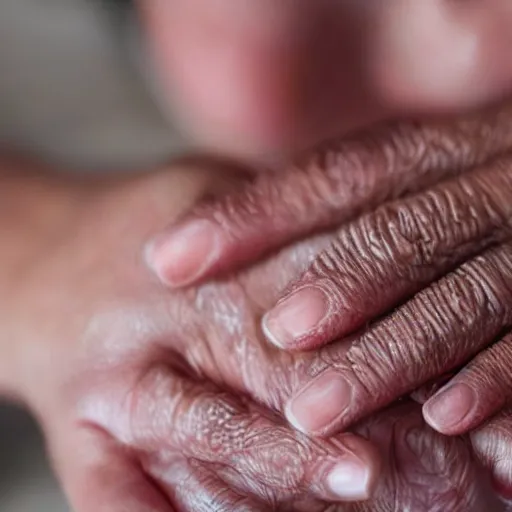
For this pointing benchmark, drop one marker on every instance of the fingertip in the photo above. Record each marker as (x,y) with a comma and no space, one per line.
(184,254)
(349,480)
(293,421)
(355,477)
(293,322)
(267,331)
(318,407)
(451,411)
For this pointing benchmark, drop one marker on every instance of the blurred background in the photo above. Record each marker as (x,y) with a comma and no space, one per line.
(71,91)
(26,482)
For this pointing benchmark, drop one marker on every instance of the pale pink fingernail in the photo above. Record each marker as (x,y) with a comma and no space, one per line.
(350,480)
(320,403)
(180,257)
(296,316)
(448,409)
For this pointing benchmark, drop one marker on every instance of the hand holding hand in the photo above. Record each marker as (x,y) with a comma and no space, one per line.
(456,232)
(162,402)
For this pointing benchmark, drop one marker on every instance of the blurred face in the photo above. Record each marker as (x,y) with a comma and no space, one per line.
(265,77)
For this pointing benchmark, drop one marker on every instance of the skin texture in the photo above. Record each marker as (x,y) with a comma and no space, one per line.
(159,401)
(328,187)
(142,414)
(456,232)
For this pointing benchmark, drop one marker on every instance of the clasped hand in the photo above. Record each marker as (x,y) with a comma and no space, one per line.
(237,394)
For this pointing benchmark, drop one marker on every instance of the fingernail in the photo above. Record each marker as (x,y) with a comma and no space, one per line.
(182,256)
(320,403)
(296,316)
(349,480)
(448,409)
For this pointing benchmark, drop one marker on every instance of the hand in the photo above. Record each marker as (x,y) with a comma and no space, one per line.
(99,350)
(407,244)
(156,401)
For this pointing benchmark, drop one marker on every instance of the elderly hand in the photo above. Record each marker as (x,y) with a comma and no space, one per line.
(456,232)
(100,352)
(153,401)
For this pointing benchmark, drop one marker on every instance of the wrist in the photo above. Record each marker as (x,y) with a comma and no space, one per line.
(36,209)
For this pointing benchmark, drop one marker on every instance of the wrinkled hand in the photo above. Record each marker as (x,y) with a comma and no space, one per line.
(456,232)
(101,352)
(158,402)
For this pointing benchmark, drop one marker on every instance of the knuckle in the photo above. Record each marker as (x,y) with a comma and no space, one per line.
(258,199)
(458,304)
(494,190)
(351,172)
(408,147)
(238,211)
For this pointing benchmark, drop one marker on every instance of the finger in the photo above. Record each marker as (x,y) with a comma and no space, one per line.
(492,444)
(440,469)
(197,489)
(428,390)
(248,449)
(98,475)
(388,255)
(436,331)
(477,393)
(335,184)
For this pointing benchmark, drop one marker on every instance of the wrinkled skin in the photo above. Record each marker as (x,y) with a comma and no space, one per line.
(158,401)
(379,261)
(375,264)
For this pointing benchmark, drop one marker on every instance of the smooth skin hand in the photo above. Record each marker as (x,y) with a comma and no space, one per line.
(154,401)
(455,233)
